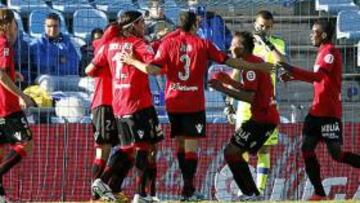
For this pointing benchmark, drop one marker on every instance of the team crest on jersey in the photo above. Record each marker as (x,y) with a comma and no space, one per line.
(6,51)
(329,58)
(140,133)
(251,75)
(199,127)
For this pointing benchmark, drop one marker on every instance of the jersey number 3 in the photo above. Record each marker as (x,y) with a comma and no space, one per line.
(185,75)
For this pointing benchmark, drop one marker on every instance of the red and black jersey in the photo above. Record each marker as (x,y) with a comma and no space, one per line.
(103,88)
(9,103)
(327,91)
(263,108)
(184,58)
(130,86)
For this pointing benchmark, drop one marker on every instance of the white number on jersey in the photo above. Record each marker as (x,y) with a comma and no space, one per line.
(185,59)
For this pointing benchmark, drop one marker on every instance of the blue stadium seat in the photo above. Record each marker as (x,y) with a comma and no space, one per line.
(111,8)
(24,7)
(37,18)
(78,42)
(68,7)
(335,6)
(85,20)
(348,25)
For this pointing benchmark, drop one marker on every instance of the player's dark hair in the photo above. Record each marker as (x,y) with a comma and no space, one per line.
(128,18)
(247,41)
(6,17)
(327,27)
(95,31)
(187,20)
(265,14)
(53,16)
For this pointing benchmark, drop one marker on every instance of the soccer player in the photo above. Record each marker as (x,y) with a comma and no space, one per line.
(323,122)
(256,89)
(104,123)
(14,128)
(132,101)
(183,58)
(271,49)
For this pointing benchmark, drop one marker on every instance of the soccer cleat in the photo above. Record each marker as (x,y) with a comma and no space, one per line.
(249,198)
(3,199)
(316,197)
(103,190)
(155,199)
(140,199)
(121,198)
(195,197)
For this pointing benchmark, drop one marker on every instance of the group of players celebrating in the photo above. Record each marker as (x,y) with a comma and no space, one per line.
(125,120)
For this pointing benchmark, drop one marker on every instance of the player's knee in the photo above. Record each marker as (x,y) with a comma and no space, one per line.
(230,152)
(337,155)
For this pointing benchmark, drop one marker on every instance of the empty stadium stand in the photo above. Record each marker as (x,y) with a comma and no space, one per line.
(85,20)
(348,25)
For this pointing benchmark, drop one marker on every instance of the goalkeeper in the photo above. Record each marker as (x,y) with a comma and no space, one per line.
(271,49)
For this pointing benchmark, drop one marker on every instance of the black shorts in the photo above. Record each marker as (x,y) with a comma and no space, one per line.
(327,128)
(252,135)
(141,126)
(104,126)
(14,128)
(188,124)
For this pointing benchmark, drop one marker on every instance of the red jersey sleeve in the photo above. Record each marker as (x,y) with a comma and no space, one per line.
(250,80)
(5,56)
(214,53)
(144,52)
(327,60)
(161,58)
(100,58)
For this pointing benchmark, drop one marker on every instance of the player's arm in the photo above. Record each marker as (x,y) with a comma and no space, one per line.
(144,67)
(304,75)
(91,70)
(239,94)
(6,82)
(236,63)
(241,64)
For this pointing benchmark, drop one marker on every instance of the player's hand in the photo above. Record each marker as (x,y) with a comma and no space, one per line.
(26,102)
(126,57)
(18,77)
(284,66)
(285,76)
(222,77)
(216,84)
(261,38)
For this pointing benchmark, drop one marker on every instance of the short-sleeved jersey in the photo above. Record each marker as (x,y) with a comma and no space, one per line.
(327,92)
(263,107)
(130,86)
(9,103)
(185,58)
(261,51)
(103,88)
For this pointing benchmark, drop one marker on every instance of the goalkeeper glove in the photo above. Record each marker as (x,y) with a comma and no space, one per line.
(229,112)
